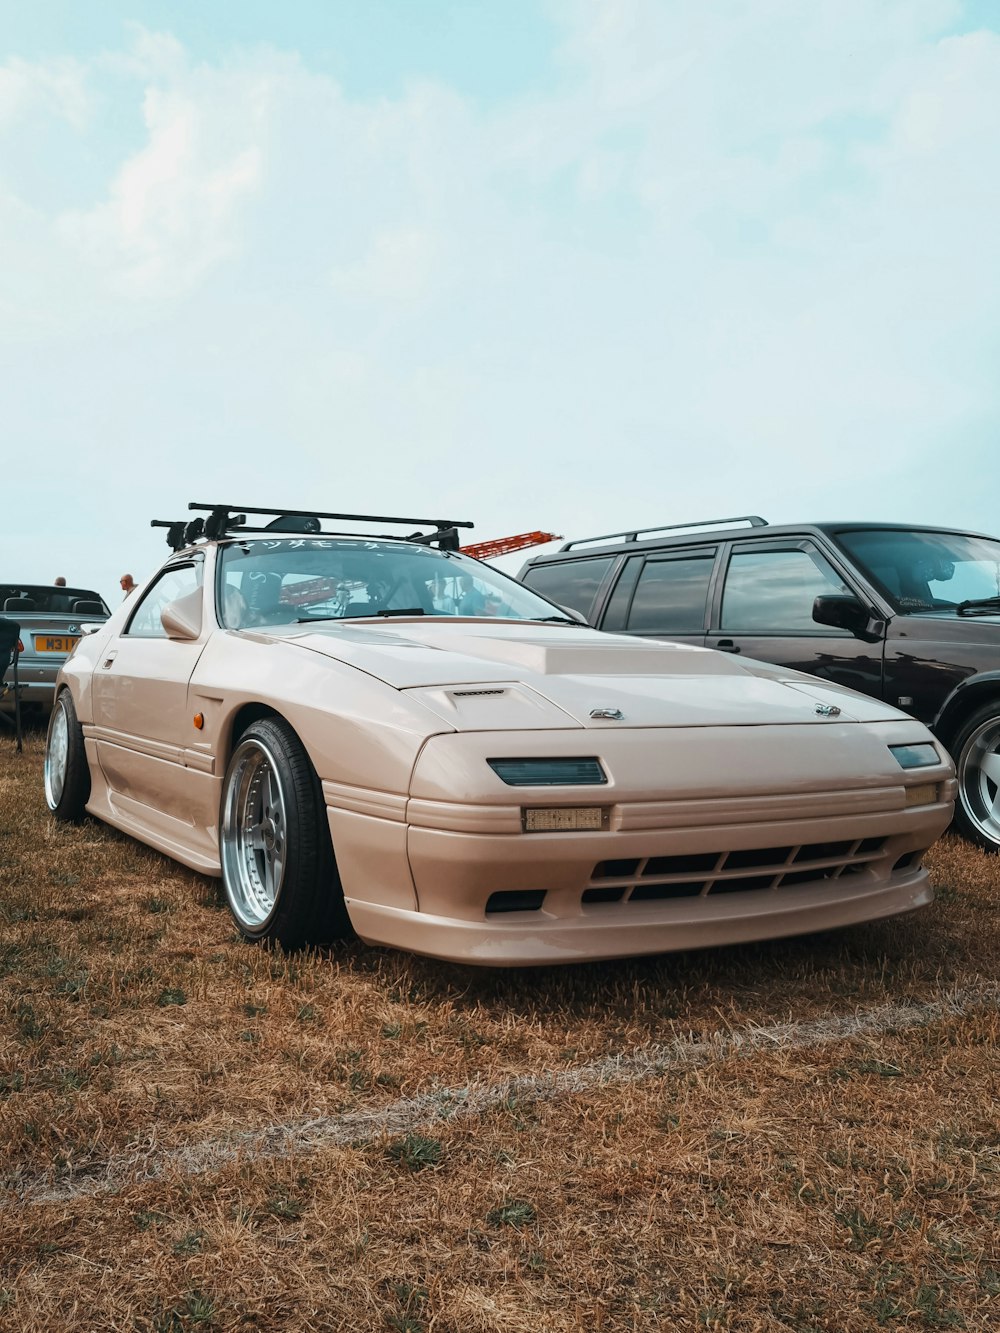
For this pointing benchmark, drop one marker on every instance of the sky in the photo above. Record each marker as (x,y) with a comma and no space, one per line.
(578,265)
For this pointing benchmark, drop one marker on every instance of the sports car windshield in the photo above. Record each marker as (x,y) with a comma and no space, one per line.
(927,571)
(290,580)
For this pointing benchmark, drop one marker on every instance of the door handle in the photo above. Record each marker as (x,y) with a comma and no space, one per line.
(108,660)
(727,646)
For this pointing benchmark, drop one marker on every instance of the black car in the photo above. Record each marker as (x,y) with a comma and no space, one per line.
(907,614)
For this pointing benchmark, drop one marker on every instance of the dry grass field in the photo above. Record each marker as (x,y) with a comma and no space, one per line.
(201,1135)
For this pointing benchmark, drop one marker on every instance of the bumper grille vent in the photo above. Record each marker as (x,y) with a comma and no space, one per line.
(757,868)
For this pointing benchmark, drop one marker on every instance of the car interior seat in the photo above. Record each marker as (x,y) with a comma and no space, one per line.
(85,607)
(263,596)
(19,604)
(914,591)
(414,592)
(10,648)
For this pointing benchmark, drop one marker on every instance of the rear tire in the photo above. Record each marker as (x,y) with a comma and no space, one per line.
(67,773)
(278,871)
(976,749)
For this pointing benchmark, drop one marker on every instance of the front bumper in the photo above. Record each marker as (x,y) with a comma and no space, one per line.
(430,890)
(805,830)
(600,932)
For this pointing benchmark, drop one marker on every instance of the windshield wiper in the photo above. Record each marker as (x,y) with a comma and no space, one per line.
(974,605)
(367,615)
(559,620)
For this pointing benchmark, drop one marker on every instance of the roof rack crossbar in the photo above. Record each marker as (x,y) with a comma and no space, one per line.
(414,537)
(441,523)
(633,534)
(224,519)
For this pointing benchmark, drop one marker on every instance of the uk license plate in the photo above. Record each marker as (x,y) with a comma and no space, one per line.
(55,643)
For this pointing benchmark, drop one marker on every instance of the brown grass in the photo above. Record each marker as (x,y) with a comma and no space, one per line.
(847,1184)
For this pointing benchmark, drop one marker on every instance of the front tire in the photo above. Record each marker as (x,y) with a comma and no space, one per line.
(278,872)
(67,774)
(976,749)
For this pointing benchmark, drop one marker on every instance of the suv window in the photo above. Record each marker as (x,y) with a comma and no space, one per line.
(669,598)
(175,582)
(773,591)
(919,571)
(573,583)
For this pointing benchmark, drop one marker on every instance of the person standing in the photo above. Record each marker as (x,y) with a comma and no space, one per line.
(59,581)
(127,585)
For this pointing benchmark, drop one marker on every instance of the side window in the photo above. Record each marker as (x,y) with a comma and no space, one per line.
(669,597)
(572,583)
(172,583)
(773,591)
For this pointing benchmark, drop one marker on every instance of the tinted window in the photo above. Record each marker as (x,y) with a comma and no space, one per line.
(669,598)
(771,591)
(572,583)
(171,584)
(920,570)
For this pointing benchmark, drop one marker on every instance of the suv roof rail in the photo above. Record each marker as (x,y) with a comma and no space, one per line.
(225,519)
(633,534)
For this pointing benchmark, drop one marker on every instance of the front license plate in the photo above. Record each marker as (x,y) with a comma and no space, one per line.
(55,643)
(564,819)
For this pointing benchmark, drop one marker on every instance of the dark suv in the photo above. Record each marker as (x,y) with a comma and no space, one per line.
(908,614)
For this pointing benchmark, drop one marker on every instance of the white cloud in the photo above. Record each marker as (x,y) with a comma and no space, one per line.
(56,87)
(170,216)
(173,209)
(398,267)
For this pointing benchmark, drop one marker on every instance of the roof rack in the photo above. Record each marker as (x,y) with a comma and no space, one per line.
(633,534)
(224,520)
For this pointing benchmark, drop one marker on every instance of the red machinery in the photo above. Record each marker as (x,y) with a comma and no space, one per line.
(504,545)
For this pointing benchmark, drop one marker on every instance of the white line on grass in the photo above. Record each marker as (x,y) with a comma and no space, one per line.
(301,1137)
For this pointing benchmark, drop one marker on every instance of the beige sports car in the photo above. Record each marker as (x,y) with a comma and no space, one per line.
(379,734)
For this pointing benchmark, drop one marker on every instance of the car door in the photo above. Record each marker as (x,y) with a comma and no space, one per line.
(663,595)
(140,684)
(764,610)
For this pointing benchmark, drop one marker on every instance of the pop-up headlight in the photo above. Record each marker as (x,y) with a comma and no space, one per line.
(549,772)
(915,756)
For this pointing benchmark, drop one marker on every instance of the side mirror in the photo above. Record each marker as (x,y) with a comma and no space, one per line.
(182,618)
(846,612)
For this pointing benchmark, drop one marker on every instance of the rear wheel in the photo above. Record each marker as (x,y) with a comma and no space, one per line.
(976,749)
(67,775)
(278,870)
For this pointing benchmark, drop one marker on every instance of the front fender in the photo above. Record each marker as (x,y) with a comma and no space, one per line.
(77,672)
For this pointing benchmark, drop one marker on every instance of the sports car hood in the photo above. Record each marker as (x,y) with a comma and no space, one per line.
(511,674)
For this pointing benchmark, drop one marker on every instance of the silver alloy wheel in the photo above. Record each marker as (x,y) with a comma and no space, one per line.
(254,834)
(979,779)
(56,756)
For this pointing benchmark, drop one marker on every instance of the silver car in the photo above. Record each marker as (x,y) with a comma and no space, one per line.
(51,620)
